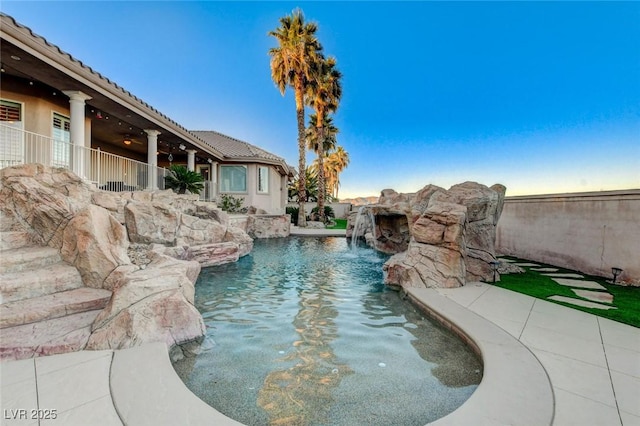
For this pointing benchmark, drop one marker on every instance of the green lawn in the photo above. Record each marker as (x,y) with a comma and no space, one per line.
(340,224)
(534,283)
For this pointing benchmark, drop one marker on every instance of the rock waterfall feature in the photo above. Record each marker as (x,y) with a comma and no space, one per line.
(441,238)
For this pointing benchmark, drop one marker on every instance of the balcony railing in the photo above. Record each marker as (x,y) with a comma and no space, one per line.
(107,171)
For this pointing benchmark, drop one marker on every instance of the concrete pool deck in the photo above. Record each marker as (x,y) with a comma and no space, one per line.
(544,364)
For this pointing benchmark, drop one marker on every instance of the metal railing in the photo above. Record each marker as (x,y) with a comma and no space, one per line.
(208,193)
(107,171)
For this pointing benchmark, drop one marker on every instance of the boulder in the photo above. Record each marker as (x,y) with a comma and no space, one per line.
(111,201)
(459,224)
(436,253)
(238,236)
(209,211)
(96,244)
(195,231)
(161,317)
(149,305)
(214,254)
(149,222)
(269,226)
(44,209)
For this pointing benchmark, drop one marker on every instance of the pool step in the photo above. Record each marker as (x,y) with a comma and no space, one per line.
(52,306)
(34,283)
(55,336)
(27,258)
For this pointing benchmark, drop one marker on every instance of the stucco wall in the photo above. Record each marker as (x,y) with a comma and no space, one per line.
(272,201)
(341,210)
(589,232)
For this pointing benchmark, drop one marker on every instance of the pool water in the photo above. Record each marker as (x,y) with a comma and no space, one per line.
(303,332)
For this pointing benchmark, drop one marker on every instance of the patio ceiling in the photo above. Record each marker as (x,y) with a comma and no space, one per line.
(115,113)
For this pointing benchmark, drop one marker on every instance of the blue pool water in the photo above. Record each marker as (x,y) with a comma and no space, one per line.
(303,332)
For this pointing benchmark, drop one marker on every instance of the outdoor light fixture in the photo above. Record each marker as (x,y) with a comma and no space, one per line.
(209,160)
(170,157)
(616,272)
(494,266)
(1,68)
(182,147)
(127,141)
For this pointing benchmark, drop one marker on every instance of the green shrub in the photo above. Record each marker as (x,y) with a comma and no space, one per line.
(293,211)
(231,204)
(181,180)
(328,213)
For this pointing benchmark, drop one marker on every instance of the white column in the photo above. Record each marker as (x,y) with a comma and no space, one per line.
(77,101)
(152,159)
(191,160)
(214,178)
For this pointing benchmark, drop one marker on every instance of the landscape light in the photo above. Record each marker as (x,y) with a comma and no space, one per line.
(494,266)
(615,272)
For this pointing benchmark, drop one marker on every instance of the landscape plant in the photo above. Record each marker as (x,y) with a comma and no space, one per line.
(291,66)
(181,180)
(311,186)
(328,213)
(293,211)
(230,204)
(323,94)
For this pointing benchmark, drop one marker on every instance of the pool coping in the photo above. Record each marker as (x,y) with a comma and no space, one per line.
(140,386)
(515,388)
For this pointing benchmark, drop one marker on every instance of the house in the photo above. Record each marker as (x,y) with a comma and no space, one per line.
(60,112)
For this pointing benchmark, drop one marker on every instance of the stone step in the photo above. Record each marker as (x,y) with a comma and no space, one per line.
(27,258)
(10,240)
(7,223)
(40,282)
(55,336)
(51,306)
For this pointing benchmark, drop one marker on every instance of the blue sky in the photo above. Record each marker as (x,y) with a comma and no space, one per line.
(543,97)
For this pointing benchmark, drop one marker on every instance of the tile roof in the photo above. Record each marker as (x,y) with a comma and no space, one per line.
(233,148)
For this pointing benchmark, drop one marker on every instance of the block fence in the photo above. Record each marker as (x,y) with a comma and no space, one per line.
(589,232)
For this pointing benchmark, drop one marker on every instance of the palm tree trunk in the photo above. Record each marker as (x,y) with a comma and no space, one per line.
(322,187)
(302,184)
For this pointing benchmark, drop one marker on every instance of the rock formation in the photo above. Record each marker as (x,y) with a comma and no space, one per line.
(93,229)
(442,238)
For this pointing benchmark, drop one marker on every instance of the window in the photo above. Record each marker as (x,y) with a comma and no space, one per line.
(263,180)
(233,179)
(11,145)
(10,112)
(61,141)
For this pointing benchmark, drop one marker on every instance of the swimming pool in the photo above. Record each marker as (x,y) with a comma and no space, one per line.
(303,332)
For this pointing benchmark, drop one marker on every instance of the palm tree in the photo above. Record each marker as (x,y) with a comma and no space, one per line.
(291,65)
(182,180)
(323,94)
(311,185)
(313,143)
(337,161)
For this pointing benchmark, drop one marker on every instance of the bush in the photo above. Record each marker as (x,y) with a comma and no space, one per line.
(231,204)
(328,213)
(181,180)
(293,211)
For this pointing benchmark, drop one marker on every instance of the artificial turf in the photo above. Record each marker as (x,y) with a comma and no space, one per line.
(340,224)
(535,284)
